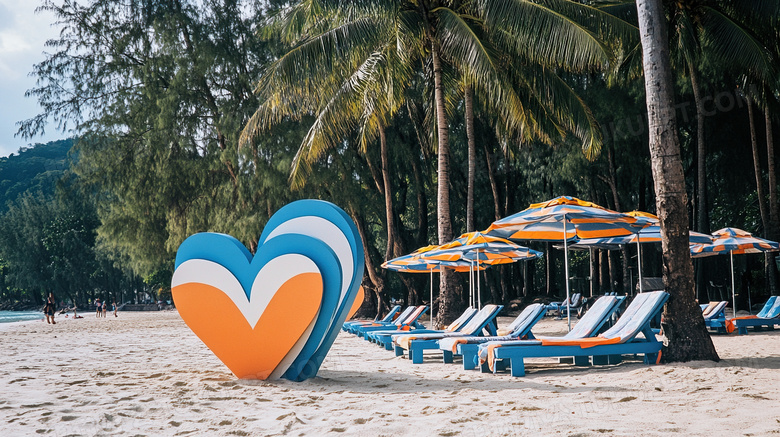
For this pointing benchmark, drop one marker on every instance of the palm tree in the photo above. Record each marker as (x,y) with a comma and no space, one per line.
(683,324)
(343,49)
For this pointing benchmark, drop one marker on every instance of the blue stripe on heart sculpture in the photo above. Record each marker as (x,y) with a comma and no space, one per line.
(298,287)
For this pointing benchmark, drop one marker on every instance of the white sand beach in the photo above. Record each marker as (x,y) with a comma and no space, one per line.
(147,374)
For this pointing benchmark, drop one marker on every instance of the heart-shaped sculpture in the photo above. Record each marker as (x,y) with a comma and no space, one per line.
(253,312)
(328,223)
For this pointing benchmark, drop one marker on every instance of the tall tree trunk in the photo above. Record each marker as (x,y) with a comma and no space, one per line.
(469,102)
(757,167)
(702,222)
(773,232)
(683,324)
(422,203)
(450,302)
(388,192)
(382,305)
(493,184)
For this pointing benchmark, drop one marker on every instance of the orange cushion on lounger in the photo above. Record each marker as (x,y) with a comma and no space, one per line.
(582,342)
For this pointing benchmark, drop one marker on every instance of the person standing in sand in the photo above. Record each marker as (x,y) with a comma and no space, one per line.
(48,309)
(114,308)
(103,308)
(97,307)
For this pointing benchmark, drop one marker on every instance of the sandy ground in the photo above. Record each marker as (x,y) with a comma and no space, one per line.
(147,374)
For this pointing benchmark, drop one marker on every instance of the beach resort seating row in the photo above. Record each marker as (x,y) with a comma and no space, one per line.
(475,338)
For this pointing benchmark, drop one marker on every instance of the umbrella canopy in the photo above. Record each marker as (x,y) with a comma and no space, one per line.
(733,241)
(565,219)
(481,249)
(413,263)
(569,217)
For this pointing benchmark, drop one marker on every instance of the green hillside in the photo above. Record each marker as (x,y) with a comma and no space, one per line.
(36,168)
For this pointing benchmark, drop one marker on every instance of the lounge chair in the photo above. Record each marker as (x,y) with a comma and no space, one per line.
(766,318)
(607,348)
(417,343)
(355,326)
(407,323)
(385,338)
(715,315)
(591,323)
(467,346)
(574,299)
(386,319)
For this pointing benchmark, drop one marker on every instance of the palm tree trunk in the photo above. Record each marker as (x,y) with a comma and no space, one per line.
(493,184)
(757,167)
(382,305)
(703,223)
(774,219)
(390,220)
(469,102)
(683,325)
(450,302)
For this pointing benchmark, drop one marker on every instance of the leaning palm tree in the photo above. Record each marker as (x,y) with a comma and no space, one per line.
(683,324)
(508,50)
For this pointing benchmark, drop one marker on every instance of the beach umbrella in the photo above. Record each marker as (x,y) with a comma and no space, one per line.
(413,263)
(566,219)
(733,241)
(649,234)
(481,250)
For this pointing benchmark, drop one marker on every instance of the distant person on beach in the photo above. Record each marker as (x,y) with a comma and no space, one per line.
(103,308)
(114,308)
(48,309)
(97,307)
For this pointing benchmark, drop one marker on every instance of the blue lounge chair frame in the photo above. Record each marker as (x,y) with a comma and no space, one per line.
(599,315)
(386,319)
(417,346)
(767,320)
(716,319)
(354,326)
(575,299)
(385,338)
(526,320)
(637,317)
(411,321)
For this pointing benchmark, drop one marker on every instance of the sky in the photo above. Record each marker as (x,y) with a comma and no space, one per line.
(23,33)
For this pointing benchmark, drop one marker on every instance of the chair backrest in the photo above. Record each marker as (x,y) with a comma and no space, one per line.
(389,317)
(529,313)
(487,313)
(414,315)
(460,321)
(639,313)
(576,300)
(767,307)
(715,310)
(774,311)
(594,318)
(404,315)
(706,309)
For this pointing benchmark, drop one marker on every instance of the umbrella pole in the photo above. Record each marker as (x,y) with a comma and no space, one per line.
(432,298)
(566,267)
(639,261)
(733,292)
(479,290)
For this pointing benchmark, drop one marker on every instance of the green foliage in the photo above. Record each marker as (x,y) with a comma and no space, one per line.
(33,169)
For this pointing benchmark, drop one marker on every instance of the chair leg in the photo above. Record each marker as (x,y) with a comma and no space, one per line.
(416,354)
(399,351)
(518,366)
(447,356)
